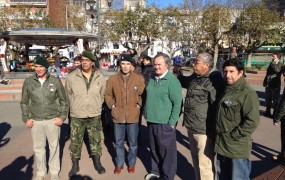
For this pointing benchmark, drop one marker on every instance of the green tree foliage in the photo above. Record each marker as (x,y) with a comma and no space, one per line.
(3,19)
(137,29)
(76,18)
(216,23)
(258,26)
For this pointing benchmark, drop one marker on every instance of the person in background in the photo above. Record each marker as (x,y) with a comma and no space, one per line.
(123,97)
(162,110)
(272,84)
(148,69)
(85,88)
(76,63)
(44,108)
(220,63)
(57,64)
(233,53)
(237,117)
(279,119)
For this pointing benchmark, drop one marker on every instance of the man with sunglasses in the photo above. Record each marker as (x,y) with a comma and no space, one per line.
(203,88)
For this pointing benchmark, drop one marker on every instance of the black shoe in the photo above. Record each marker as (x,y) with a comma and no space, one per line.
(267,114)
(97,164)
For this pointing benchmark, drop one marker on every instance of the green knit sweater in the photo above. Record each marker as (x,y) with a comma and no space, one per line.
(164,98)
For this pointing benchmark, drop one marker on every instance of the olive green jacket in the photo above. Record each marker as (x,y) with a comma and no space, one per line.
(43,102)
(237,118)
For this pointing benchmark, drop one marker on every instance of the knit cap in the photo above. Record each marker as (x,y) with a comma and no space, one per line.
(42,61)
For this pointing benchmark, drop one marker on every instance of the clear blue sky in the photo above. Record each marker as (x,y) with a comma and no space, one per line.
(164,3)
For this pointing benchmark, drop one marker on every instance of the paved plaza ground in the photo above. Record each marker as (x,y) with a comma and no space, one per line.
(17,160)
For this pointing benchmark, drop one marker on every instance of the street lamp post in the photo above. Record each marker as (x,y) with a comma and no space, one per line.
(90,9)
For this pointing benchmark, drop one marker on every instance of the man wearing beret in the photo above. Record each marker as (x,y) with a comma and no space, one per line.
(85,88)
(123,97)
(44,108)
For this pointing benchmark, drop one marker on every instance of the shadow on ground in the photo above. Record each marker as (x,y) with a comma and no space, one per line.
(265,163)
(20,168)
(4,129)
(261,95)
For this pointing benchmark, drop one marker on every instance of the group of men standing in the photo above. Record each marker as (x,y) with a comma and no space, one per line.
(219,115)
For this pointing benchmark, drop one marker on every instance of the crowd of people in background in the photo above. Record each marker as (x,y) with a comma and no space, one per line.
(220,112)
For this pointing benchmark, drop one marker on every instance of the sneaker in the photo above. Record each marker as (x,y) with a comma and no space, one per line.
(151,176)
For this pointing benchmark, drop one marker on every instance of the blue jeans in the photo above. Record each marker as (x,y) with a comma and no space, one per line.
(132,133)
(233,169)
(57,69)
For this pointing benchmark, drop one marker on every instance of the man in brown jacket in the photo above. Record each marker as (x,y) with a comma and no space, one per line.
(123,97)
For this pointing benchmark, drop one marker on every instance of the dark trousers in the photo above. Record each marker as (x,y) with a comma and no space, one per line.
(282,127)
(272,99)
(162,142)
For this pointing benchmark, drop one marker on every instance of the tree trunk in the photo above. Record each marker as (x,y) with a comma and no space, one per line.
(249,59)
(216,53)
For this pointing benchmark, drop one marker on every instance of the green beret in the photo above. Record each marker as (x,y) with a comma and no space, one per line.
(42,61)
(89,55)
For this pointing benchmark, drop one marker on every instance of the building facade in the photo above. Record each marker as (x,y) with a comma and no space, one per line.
(131,4)
(57,13)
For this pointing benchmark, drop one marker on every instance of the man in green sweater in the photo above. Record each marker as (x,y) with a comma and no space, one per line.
(162,109)
(237,118)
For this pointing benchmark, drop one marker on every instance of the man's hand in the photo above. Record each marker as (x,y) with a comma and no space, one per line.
(58,121)
(276,122)
(29,123)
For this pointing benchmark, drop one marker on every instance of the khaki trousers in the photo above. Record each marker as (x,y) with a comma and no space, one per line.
(42,131)
(202,152)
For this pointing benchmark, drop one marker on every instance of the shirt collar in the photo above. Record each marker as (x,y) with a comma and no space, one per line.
(162,76)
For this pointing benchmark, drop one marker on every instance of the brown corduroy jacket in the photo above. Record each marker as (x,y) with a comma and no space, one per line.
(124,97)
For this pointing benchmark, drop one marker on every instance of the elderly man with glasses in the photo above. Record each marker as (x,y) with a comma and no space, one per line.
(203,90)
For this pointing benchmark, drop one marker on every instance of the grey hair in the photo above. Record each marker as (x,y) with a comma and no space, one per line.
(166,58)
(207,58)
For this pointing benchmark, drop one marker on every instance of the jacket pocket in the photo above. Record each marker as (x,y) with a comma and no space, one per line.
(237,148)
(231,110)
(115,113)
(134,113)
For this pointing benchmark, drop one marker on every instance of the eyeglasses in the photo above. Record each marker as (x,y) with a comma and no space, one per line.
(197,62)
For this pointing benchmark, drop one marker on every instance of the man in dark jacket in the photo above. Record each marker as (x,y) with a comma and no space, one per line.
(279,119)
(237,118)
(44,108)
(123,97)
(272,84)
(148,69)
(203,89)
